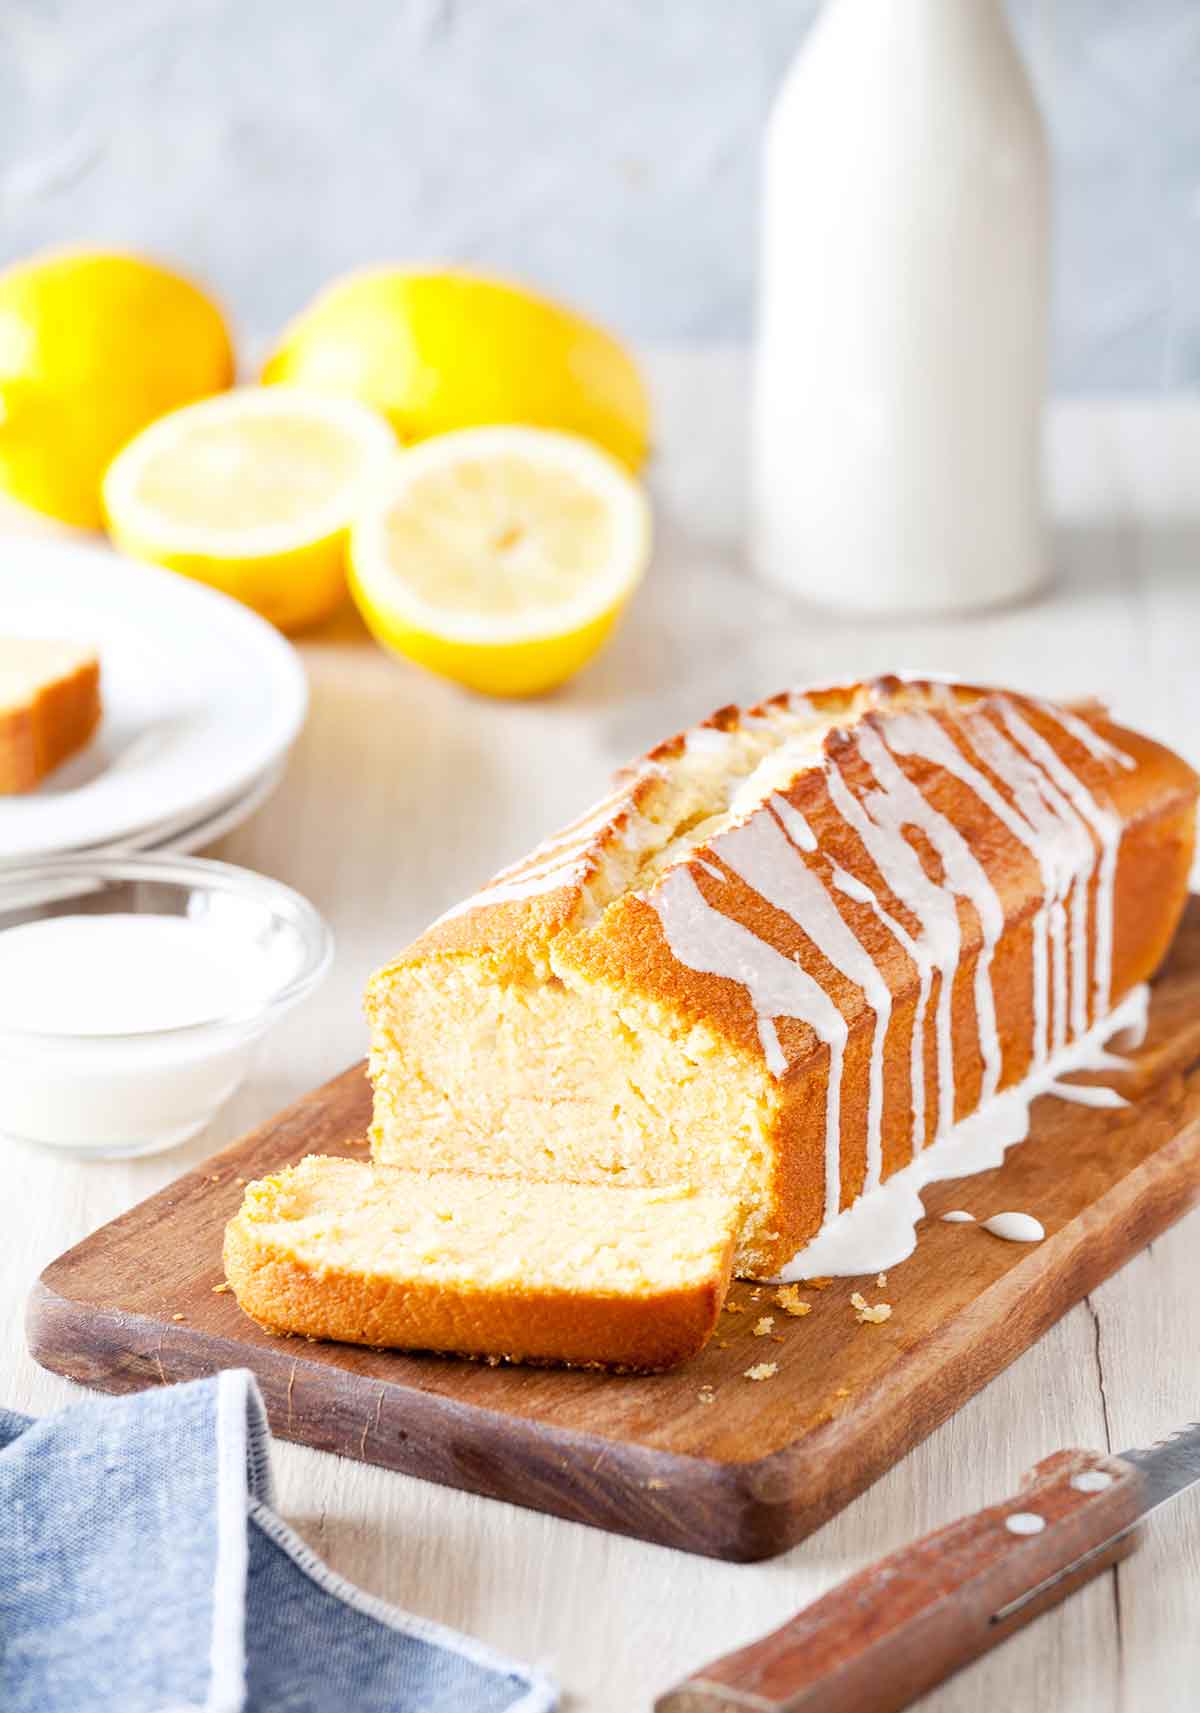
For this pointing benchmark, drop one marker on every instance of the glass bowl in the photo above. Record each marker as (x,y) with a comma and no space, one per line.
(135,1088)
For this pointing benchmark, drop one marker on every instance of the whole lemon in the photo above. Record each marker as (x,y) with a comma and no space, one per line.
(437,351)
(93,346)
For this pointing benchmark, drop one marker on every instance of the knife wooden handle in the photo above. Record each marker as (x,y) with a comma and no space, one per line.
(887,1635)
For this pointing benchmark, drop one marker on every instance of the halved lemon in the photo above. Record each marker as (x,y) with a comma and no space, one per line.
(252,492)
(500,557)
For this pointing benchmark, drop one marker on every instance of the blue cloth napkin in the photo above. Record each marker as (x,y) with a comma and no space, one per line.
(142,1570)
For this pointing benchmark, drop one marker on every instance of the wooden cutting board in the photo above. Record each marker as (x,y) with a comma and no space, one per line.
(702,1458)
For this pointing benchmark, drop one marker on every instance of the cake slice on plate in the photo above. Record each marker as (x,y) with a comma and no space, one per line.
(49,707)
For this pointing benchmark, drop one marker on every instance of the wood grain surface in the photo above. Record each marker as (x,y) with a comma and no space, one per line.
(702,1458)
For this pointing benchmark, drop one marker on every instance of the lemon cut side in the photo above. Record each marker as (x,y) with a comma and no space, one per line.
(252,492)
(500,557)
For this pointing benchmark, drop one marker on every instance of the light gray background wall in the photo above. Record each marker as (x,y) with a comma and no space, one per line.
(606,149)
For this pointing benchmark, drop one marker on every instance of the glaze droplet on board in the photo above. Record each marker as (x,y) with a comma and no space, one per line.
(1015,1227)
(958,1216)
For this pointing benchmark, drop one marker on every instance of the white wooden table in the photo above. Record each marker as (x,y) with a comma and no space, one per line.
(405,793)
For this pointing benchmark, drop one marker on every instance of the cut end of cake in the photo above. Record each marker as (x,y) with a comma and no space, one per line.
(49,707)
(586,1275)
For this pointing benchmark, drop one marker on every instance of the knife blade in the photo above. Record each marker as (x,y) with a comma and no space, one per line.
(889,1634)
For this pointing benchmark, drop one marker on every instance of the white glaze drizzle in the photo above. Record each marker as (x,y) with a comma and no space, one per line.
(798,703)
(878,1231)
(566,857)
(1015,1227)
(795,825)
(1088,736)
(1066,856)
(1087,1094)
(1106,1061)
(1103,822)
(958,1216)
(924,964)
(1059,844)
(707,740)
(763,854)
(710,943)
(900,804)
(1080,854)
(799,831)
(530,884)
(935,948)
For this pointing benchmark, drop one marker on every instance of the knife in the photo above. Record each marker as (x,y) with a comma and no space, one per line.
(880,1640)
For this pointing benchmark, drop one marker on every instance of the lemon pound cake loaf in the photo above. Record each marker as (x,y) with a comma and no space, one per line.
(806,955)
(575,1273)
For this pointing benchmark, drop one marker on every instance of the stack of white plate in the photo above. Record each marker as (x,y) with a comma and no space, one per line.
(202,701)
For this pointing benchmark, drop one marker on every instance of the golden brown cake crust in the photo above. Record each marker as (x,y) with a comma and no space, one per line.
(548,901)
(279,1282)
(43,730)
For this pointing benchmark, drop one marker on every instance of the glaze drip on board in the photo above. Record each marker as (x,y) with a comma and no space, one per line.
(1015,1227)
(879,1231)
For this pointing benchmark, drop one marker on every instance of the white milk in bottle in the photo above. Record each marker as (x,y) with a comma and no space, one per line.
(901,357)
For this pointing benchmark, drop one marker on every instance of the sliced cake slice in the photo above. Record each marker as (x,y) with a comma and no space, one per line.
(584,1274)
(49,707)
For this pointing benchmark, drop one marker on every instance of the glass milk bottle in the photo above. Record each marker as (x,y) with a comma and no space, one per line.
(902,337)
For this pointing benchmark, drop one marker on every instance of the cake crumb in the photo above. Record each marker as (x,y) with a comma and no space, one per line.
(754,1295)
(734,1308)
(881,1280)
(762,1371)
(764,1326)
(788,1298)
(865,1314)
(655,1484)
(817,1284)
(177,1317)
(706,1395)
(219,1290)
(842,1392)
(777,1339)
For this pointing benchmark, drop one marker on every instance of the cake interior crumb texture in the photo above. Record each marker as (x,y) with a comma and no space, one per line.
(489,1233)
(580,1078)
(457,1261)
